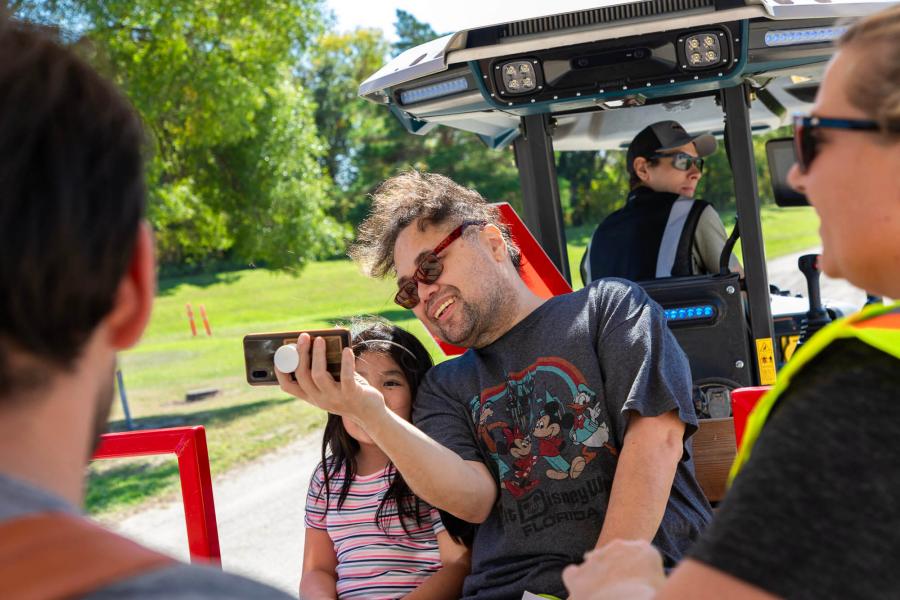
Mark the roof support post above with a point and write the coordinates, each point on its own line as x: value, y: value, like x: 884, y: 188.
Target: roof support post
x: 736, y: 103
x: 540, y: 190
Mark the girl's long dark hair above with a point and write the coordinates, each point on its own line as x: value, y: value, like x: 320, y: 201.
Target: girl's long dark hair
x: 376, y: 335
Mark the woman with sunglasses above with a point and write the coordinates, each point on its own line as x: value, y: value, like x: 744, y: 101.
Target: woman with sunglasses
x: 661, y: 231
x: 814, y: 510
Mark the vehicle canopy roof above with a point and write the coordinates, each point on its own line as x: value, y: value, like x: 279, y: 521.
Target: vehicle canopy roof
x: 603, y: 72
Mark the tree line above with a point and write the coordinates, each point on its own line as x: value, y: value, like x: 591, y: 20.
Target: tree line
x: 259, y: 150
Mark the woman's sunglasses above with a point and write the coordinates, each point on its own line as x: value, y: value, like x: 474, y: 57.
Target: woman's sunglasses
x: 682, y: 160
x: 806, y: 142
x: 429, y: 268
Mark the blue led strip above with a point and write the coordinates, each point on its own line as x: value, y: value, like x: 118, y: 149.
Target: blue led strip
x: 815, y: 35
x: 691, y: 313
x: 435, y: 90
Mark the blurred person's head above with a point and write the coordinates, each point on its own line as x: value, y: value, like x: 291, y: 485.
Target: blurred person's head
x: 455, y: 262
x: 665, y: 158
x: 851, y: 175
x: 76, y: 260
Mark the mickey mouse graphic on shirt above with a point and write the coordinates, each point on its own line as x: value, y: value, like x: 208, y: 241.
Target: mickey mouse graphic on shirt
x: 542, y: 422
x: 548, y: 429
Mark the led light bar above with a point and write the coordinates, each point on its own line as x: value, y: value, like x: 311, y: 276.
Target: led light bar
x: 691, y: 313
x: 434, y: 90
x: 812, y: 35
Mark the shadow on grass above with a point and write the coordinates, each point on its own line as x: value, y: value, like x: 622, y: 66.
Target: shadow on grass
x: 129, y: 484
x: 170, y: 285
x: 209, y: 418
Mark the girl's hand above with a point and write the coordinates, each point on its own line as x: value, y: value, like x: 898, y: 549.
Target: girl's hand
x: 352, y: 397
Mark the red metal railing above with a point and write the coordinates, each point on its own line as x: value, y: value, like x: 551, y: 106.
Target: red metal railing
x: 742, y: 402
x: 189, y: 445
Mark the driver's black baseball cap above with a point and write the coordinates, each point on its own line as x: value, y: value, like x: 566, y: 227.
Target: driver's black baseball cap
x: 666, y: 135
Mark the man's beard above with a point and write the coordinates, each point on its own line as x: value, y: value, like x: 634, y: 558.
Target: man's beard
x: 477, y: 322
x: 102, y: 405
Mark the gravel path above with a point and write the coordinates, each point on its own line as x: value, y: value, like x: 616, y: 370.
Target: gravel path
x: 260, y: 506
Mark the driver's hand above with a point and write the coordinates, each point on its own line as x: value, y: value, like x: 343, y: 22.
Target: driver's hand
x: 351, y: 397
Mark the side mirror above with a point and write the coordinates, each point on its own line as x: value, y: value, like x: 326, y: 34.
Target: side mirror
x: 781, y: 157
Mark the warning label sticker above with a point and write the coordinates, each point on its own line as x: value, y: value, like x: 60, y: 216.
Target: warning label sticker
x: 765, y: 358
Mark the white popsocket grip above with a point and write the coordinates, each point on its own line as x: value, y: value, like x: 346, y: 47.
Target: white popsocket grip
x: 287, y: 359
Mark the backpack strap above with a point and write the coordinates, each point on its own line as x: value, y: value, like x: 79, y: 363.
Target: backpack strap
x: 47, y: 556
x: 683, y: 264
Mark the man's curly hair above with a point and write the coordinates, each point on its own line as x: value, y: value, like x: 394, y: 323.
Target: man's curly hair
x: 423, y: 198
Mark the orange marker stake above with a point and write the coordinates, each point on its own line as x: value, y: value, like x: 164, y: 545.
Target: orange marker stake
x: 190, y: 314
x: 205, y: 320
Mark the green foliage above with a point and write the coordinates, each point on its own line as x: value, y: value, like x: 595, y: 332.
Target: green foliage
x: 717, y: 184
x: 597, y: 184
x: 367, y: 144
x: 337, y: 64
x: 263, y: 153
x: 411, y: 32
x: 234, y: 168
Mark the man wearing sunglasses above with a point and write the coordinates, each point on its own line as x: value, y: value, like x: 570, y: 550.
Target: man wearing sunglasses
x: 661, y: 231
x: 564, y: 426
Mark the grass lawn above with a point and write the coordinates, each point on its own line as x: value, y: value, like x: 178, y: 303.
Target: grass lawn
x: 244, y: 422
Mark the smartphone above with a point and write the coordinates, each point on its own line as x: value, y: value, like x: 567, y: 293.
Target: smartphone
x: 259, y: 352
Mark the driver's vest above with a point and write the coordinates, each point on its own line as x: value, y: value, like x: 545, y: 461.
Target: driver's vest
x: 877, y: 326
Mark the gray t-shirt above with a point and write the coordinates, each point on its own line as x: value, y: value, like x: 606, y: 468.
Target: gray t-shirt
x: 177, y: 582
x: 545, y: 408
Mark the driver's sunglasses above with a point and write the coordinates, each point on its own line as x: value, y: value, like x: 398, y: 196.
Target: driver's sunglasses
x: 806, y: 142
x: 682, y: 160
x: 429, y: 268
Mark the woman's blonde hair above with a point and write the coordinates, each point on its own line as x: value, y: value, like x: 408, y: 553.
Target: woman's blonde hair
x: 877, y: 81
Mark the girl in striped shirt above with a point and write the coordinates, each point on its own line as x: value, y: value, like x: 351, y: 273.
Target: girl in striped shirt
x: 367, y: 535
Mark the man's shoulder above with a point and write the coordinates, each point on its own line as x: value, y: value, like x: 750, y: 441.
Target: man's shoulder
x: 709, y: 221
x: 452, y: 367
x: 614, y: 289
x: 182, y: 581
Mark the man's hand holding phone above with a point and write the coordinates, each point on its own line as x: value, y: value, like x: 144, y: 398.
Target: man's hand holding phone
x: 350, y: 397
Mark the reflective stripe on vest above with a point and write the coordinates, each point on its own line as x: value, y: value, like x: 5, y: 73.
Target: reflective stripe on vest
x: 877, y: 326
x: 668, y: 246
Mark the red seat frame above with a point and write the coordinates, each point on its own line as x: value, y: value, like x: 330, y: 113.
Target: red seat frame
x: 189, y: 445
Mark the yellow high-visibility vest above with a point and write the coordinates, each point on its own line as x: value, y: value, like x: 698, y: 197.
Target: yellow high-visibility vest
x: 877, y: 326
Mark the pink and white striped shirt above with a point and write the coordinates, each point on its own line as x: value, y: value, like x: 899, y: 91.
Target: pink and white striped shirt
x: 373, y: 564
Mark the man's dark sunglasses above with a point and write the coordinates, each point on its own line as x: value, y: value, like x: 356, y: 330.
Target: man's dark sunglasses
x: 806, y: 143
x: 429, y: 268
x: 682, y: 160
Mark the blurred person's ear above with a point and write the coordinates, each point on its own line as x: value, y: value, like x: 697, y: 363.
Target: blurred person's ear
x: 134, y: 298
